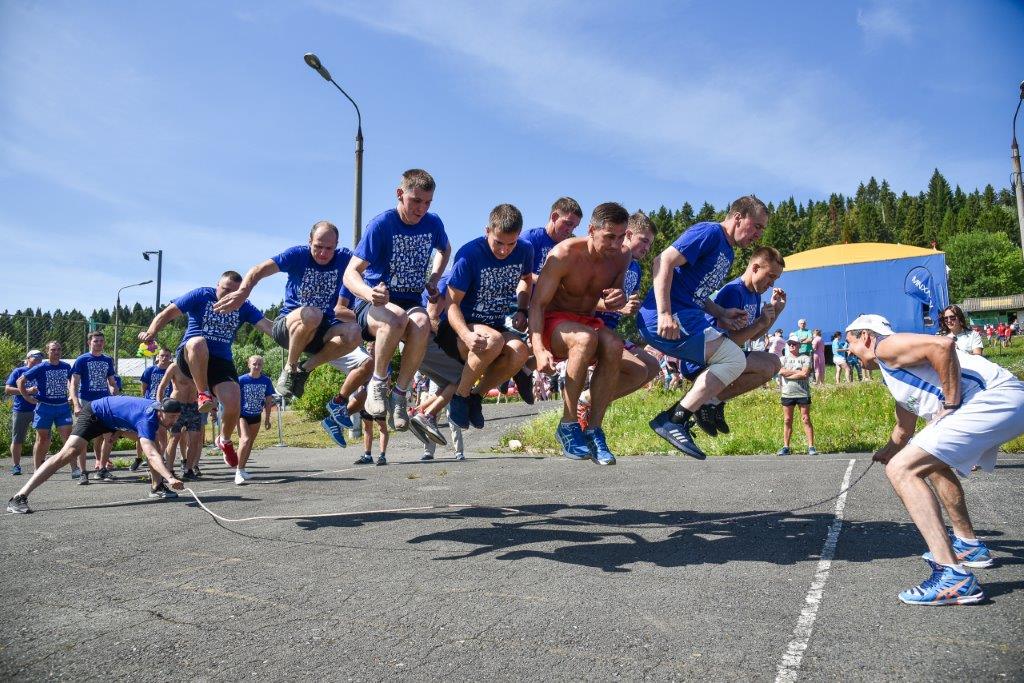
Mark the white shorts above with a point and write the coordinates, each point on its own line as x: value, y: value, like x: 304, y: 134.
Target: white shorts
x: 972, y: 434
x: 439, y: 367
x: 351, y: 360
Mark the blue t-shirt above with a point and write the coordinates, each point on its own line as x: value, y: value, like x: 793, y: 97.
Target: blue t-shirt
x: 839, y: 347
x: 93, y: 372
x: 151, y: 377
x: 20, y: 405
x: 631, y: 285
x: 542, y: 243
x: 52, y: 381
x: 442, y: 290
x: 736, y: 295
x: 399, y: 255
x: 708, y: 259
x: 254, y: 393
x: 488, y: 282
x: 218, y: 329
x: 309, y: 283
x: 128, y: 413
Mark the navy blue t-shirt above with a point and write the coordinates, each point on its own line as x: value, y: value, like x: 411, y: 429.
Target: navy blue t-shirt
x: 52, y: 381
x: 309, y: 283
x: 218, y: 329
x: 93, y: 372
x: 151, y: 377
x: 254, y: 393
x: 736, y: 295
x: 20, y: 405
x: 631, y: 285
x: 399, y: 255
x: 542, y: 243
x: 129, y: 413
x: 488, y: 282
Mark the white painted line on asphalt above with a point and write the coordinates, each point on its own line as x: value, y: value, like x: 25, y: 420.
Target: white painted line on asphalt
x: 790, y: 666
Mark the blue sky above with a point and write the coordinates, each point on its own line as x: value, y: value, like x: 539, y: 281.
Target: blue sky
x: 196, y: 128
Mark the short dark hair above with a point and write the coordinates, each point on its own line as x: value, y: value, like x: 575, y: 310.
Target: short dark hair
x: 418, y: 179
x: 505, y: 219
x: 641, y: 222
x: 232, y: 275
x: 324, y: 225
x: 567, y: 205
x: 746, y: 205
x: 609, y: 212
x: 95, y: 333
x: 770, y: 254
x: 169, y: 405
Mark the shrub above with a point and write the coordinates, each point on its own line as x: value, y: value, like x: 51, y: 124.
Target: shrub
x: 322, y: 385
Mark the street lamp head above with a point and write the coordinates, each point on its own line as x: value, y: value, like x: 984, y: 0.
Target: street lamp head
x: 1022, y: 90
x: 314, y: 63
x: 145, y: 255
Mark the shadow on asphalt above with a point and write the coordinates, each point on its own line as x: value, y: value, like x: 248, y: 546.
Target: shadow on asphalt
x: 144, y: 500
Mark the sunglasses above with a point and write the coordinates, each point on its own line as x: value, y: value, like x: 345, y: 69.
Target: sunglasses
x: 950, y: 317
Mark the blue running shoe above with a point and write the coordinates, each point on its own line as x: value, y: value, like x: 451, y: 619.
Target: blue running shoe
x: 366, y: 459
x: 339, y: 413
x: 476, y: 411
x: 679, y: 435
x: 973, y: 556
x: 574, y: 444
x: 458, y: 411
x: 946, y: 586
x: 601, y: 454
x: 335, y: 431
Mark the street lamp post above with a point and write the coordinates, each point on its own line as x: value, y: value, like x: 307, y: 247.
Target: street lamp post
x: 159, y: 273
x: 357, y: 227
x: 1016, y: 177
x: 117, y: 317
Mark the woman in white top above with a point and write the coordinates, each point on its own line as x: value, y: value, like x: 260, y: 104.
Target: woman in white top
x: 953, y: 324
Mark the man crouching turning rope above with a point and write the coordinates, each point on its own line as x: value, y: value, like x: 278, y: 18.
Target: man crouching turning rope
x: 972, y: 406
x: 105, y: 416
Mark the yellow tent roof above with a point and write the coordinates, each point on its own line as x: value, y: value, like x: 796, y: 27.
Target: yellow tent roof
x: 861, y: 252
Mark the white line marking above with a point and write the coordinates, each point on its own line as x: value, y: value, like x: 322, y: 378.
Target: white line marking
x: 790, y: 666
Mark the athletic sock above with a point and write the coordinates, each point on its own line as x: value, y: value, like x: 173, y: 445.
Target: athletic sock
x: 380, y: 379
x: 367, y: 454
x: 967, y: 541
x: 398, y: 390
x: 681, y: 414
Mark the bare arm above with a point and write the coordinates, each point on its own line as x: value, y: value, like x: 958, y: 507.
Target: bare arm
x: 906, y: 422
x: 265, y: 326
x: 353, y: 279
x: 438, y: 265
x: 165, y: 316
x: 76, y: 406
x: 662, y: 285
x: 474, y: 342
x: 25, y: 392
x: 523, y: 289
x: 555, y: 268
x: 234, y: 300
x: 164, y: 381
x: 156, y: 463
x: 343, y: 310
x: 905, y: 350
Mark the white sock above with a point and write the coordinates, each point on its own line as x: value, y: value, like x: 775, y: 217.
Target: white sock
x: 968, y: 541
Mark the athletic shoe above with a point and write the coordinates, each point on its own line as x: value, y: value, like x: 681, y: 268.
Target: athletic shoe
x: 783, y: 451
x: 335, y: 431
x: 973, y: 556
x: 162, y: 492
x: 339, y: 413
x: 188, y: 475
x: 574, y: 443
x: 811, y: 450
x: 458, y: 411
x: 460, y: 456
x: 241, y: 477
x: 18, y: 505
x: 476, y: 411
x: 679, y: 435
x: 602, y: 455
x: 15, y: 470
x: 84, y: 479
x: 195, y: 471
x: 376, y: 398
x: 720, y: 424
x: 417, y: 430
x: 946, y: 586
x: 364, y: 460
x: 105, y: 475
x: 228, y: 449
x: 400, y: 411
x: 524, y: 383
x: 76, y: 472
x: 134, y: 467
x: 428, y: 424
x: 426, y: 457
x: 705, y: 419
x: 583, y: 414
x: 381, y: 460
x: 206, y: 402
x: 299, y: 382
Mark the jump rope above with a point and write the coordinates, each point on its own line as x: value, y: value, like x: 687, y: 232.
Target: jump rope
x: 521, y: 512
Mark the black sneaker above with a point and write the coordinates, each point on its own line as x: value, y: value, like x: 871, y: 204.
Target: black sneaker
x: 195, y: 471
x: 705, y: 419
x: 18, y: 505
x: 476, y: 411
x: 162, y: 492
x: 381, y: 460
x: 720, y: 423
x: 134, y: 467
x: 84, y: 479
x: 679, y: 435
x: 106, y: 475
x: 364, y: 460
x: 188, y: 475
x: 524, y: 383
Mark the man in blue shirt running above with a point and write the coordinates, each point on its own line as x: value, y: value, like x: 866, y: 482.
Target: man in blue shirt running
x: 137, y: 417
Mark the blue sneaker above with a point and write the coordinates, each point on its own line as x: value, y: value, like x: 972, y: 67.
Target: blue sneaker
x: 783, y: 451
x: 574, y: 444
x: 458, y: 411
x: 601, y: 454
x: 476, y: 411
x: 946, y: 586
x: 679, y: 435
x: 335, y: 431
x: 339, y: 413
x: 974, y: 556
x: 16, y: 470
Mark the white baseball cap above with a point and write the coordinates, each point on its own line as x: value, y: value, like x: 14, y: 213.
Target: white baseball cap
x: 794, y: 339
x: 34, y: 353
x: 873, y: 322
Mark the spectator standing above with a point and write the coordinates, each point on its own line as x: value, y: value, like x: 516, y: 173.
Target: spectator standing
x: 51, y: 379
x: 839, y: 347
x: 796, y: 391
x: 804, y: 336
x: 92, y: 378
x: 21, y: 410
x: 818, y: 348
x: 953, y: 323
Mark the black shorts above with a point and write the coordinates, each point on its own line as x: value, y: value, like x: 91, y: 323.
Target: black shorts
x: 251, y: 419
x: 448, y: 339
x: 280, y: 333
x: 363, y: 310
x: 87, y: 426
x: 798, y: 401
x: 218, y: 370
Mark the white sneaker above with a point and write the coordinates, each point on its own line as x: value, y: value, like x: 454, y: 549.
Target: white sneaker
x: 241, y: 476
x: 399, y: 412
x: 76, y: 472
x: 376, y: 398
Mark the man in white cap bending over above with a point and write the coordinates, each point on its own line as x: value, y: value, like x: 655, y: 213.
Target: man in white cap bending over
x: 972, y: 406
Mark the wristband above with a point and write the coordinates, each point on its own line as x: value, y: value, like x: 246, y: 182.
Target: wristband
x: 951, y: 406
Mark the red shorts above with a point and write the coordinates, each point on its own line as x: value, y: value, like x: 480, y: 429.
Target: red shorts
x: 556, y: 318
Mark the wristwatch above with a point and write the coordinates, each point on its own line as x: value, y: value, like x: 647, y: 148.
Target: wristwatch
x: 951, y: 406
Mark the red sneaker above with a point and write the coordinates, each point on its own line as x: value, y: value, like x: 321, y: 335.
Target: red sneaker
x: 228, y: 449
x: 206, y: 402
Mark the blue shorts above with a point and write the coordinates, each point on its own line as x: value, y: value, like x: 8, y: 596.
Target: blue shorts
x: 689, y: 348
x: 49, y: 416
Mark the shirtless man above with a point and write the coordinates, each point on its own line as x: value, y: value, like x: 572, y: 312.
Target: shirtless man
x: 190, y: 421
x: 579, y: 272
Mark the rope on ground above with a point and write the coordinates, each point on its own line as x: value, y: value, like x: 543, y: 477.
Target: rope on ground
x: 525, y: 513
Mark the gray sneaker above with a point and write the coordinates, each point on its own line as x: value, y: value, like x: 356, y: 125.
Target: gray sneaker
x: 400, y: 411
x: 76, y: 472
x: 18, y: 505
x: 291, y: 384
x: 376, y: 398
x: 428, y: 426
x: 161, y: 491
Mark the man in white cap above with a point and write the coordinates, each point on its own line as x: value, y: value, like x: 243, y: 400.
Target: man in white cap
x: 972, y: 406
x: 22, y: 411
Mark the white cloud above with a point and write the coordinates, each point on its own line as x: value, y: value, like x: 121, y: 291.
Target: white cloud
x: 882, y: 22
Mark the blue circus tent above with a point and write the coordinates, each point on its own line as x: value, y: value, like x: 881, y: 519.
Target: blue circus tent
x: 831, y: 286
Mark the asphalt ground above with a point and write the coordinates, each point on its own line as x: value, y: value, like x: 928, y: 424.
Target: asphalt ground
x: 657, y: 568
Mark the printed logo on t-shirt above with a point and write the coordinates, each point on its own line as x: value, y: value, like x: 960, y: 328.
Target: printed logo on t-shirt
x: 410, y: 255
x: 318, y: 288
x: 632, y: 282
x: 543, y: 257
x: 97, y: 380
x: 252, y: 398
x: 751, y: 310
x: 56, y: 383
x: 219, y: 327
x: 496, y: 285
x: 713, y: 279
